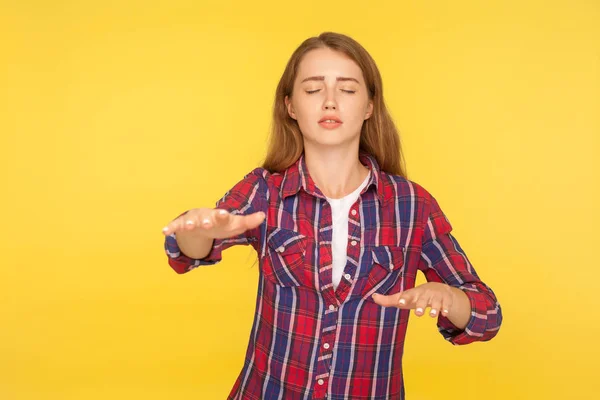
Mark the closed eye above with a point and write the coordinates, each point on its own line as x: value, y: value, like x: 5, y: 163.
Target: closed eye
x: 345, y: 91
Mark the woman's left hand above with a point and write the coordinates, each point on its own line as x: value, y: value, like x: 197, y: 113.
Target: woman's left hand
x: 438, y: 296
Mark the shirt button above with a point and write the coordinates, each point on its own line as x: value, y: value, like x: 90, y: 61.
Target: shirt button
x: 326, y: 345
x: 280, y: 249
x: 347, y: 276
x: 332, y: 307
x: 320, y: 381
x: 353, y: 243
x: 353, y: 212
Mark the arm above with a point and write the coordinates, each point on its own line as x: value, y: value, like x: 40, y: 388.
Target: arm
x: 193, y: 244
x: 476, y: 314
x: 189, y: 245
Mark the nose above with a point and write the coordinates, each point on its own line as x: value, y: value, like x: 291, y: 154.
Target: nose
x: 330, y: 101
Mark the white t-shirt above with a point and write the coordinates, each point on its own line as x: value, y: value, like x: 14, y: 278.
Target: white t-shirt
x: 339, y: 215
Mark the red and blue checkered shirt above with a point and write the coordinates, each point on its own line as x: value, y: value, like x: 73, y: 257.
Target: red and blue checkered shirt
x: 309, y: 341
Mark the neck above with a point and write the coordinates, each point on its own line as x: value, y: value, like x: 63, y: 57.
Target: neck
x: 335, y: 172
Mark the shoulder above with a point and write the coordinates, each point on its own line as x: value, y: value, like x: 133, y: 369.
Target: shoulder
x: 263, y: 178
x: 410, y: 198
x: 399, y: 188
x: 260, y: 181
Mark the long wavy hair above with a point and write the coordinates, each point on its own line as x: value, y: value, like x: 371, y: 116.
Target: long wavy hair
x: 379, y: 136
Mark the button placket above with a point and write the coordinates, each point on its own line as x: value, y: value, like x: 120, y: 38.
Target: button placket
x: 328, y: 334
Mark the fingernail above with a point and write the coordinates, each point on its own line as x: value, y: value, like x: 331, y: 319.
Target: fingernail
x: 189, y: 222
x: 433, y: 312
x: 206, y: 221
x: 222, y: 212
x: 165, y: 229
x: 419, y: 310
x: 445, y: 311
x: 402, y: 301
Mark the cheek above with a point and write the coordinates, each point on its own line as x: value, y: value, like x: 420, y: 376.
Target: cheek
x: 355, y: 116
x: 305, y: 115
x: 307, y: 128
x: 358, y: 113
x: 305, y: 122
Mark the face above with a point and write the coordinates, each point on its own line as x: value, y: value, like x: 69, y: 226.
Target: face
x: 329, y: 84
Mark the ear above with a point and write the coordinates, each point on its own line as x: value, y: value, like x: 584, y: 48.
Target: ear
x: 369, y: 110
x: 290, y: 109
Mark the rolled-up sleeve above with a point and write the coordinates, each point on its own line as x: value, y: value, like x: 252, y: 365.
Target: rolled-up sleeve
x: 246, y: 197
x: 443, y: 260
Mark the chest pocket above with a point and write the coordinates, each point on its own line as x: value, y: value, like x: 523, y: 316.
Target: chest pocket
x: 387, y: 265
x: 285, y: 260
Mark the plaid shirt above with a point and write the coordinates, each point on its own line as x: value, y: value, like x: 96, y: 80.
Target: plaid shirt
x: 309, y: 341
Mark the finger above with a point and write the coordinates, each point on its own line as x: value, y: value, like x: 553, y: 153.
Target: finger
x: 436, y: 304
x: 167, y: 230
x: 421, y: 303
x: 406, y: 300
x: 220, y: 218
x: 253, y: 220
x: 446, y: 305
x: 195, y: 220
x: 386, y: 300
x: 199, y: 219
x: 174, y: 226
x: 192, y: 222
x: 242, y: 223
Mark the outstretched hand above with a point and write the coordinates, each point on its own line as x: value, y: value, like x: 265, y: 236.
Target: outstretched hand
x: 214, y: 223
x: 437, y: 296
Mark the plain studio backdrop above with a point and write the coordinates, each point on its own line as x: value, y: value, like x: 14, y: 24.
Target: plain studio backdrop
x: 116, y: 116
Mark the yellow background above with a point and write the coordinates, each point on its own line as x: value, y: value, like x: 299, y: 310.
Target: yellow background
x: 114, y: 118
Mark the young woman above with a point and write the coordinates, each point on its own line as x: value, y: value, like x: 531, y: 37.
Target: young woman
x: 340, y: 234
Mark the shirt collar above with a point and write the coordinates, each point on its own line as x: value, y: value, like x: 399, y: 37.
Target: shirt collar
x: 297, y: 177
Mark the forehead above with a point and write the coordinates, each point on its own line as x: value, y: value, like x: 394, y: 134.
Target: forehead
x: 328, y: 63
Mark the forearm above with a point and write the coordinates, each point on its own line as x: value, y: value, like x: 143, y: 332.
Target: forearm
x: 460, y: 312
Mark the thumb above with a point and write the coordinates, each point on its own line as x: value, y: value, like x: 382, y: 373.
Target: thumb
x: 386, y: 301
x: 254, y: 220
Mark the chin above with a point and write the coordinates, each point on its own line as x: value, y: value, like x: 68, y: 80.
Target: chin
x: 330, y: 142
x: 326, y: 137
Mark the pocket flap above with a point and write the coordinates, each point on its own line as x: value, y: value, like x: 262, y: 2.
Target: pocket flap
x: 384, y: 271
x: 390, y: 257
x: 286, y: 241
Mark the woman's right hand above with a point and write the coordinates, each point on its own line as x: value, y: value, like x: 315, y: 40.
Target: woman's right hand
x: 213, y: 223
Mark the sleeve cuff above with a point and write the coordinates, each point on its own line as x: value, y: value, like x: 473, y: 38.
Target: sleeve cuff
x: 182, y: 263
x: 476, y: 327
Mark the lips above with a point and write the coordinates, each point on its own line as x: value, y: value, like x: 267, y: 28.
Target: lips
x: 330, y: 118
x: 326, y: 123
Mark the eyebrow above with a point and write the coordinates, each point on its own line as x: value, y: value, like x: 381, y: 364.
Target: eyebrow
x: 322, y: 78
